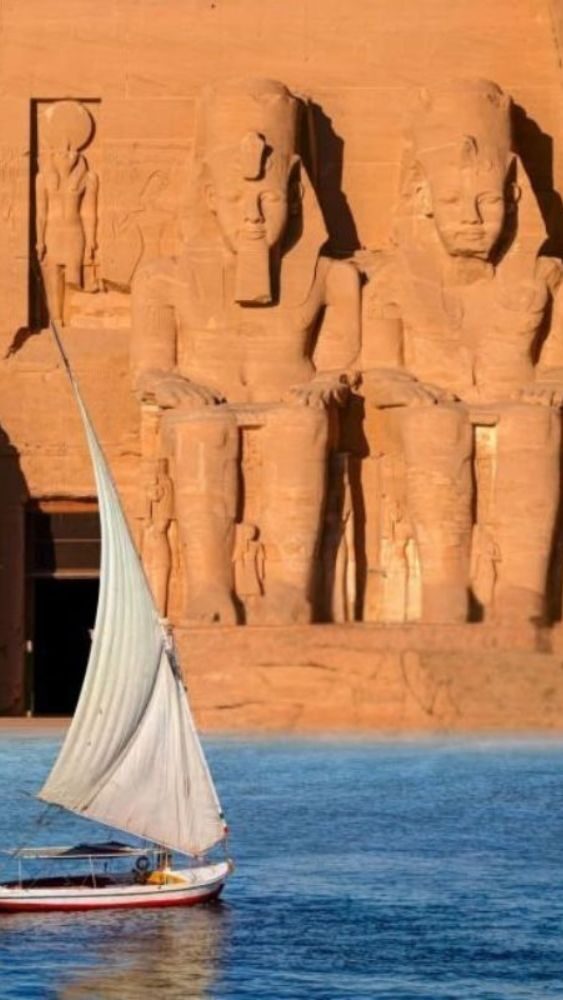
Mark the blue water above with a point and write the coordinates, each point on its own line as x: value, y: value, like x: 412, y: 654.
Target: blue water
x: 365, y: 870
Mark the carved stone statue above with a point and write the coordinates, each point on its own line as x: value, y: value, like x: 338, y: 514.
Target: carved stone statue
x: 463, y: 421
x: 155, y: 547
x: 226, y: 343
x: 249, y: 562
x: 66, y: 202
x: 338, y: 569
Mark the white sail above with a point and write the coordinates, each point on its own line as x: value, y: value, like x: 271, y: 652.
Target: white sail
x: 132, y: 758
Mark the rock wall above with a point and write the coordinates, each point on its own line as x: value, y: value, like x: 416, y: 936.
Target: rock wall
x: 418, y: 679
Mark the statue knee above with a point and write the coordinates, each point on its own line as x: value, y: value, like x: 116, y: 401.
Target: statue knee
x: 433, y: 436
x: 525, y: 427
x: 190, y: 436
x: 304, y: 425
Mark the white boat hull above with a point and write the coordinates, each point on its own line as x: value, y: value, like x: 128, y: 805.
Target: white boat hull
x: 197, y: 885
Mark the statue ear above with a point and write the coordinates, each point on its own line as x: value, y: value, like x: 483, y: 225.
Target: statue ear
x: 414, y: 187
x: 513, y: 186
x: 514, y: 193
x: 421, y: 196
x: 210, y: 196
x: 424, y: 199
x: 294, y: 186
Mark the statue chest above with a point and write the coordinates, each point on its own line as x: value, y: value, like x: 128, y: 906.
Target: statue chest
x: 203, y: 320
x: 456, y: 336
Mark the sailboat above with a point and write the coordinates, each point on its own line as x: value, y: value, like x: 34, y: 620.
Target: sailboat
x: 132, y: 758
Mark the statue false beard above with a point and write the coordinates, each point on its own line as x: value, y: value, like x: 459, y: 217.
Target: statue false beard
x: 253, y: 284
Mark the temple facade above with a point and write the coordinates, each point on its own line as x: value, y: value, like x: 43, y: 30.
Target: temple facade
x: 308, y: 269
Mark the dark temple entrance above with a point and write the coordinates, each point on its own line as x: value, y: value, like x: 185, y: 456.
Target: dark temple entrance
x: 63, y: 558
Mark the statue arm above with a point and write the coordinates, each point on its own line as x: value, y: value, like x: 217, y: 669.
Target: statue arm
x: 336, y: 352
x: 550, y: 362
x: 338, y: 349
x: 547, y: 387
x: 41, y: 207
x: 90, y: 214
x: 153, y: 347
x: 385, y: 380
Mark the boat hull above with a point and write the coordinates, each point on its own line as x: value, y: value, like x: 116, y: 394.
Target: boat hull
x: 197, y: 885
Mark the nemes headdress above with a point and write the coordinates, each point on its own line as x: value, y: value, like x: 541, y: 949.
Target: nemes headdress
x: 233, y: 111
x: 465, y: 121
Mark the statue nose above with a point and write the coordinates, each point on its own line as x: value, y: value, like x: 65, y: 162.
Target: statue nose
x: 470, y: 210
x: 252, y: 209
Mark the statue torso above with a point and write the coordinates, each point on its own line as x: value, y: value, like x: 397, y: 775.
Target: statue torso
x: 250, y: 354
x: 474, y: 338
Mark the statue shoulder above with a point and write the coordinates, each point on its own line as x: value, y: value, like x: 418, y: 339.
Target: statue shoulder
x: 550, y: 269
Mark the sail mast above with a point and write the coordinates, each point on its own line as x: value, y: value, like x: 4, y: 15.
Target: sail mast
x: 132, y: 757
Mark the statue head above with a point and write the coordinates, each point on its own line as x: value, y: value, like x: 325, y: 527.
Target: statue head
x: 67, y: 127
x: 249, y: 173
x: 461, y: 165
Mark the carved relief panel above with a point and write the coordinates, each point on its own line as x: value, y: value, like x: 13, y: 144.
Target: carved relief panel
x: 66, y: 207
x: 144, y: 199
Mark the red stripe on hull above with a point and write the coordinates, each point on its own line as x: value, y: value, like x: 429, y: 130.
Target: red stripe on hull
x: 6, y: 907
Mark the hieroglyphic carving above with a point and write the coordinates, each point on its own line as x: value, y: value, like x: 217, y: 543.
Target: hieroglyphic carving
x: 453, y: 321
x: 223, y: 342
x: 66, y: 203
x: 14, y: 214
x: 144, y: 203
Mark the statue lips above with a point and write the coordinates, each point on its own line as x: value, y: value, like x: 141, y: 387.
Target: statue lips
x: 471, y: 240
x: 251, y: 232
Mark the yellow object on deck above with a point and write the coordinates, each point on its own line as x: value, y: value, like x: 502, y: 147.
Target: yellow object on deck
x: 164, y: 877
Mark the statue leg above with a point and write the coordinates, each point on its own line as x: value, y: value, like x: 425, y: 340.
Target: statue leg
x: 157, y: 559
x: 437, y: 442
x: 54, y: 278
x: 525, y: 503
x: 294, y: 448
x: 204, y: 450
x: 392, y: 594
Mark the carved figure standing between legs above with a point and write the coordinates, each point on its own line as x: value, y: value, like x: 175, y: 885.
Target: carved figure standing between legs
x: 156, y: 549
x: 455, y: 312
x: 225, y: 341
x: 66, y: 202
x: 248, y: 559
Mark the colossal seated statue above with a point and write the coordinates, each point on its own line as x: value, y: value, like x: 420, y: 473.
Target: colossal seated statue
x: 243, y: 343
x: 462, y: 479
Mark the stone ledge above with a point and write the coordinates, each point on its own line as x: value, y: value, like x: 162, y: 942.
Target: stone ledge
x: 374, y: 679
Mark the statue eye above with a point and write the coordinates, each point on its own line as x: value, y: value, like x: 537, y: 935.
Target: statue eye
x: 490, y: 199
x: 449, y: 199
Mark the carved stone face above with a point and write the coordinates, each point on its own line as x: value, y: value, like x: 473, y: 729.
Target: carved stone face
x: 464, y: 185
x: 469, y: 209
x: 248, y: 209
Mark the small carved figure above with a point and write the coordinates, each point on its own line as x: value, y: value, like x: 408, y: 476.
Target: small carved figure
x: 455, y: 314
x: 156, y: 549
x: 226, y: 342
x: 338, y: 563
x: 66, y: 202
x: 249, y: 562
